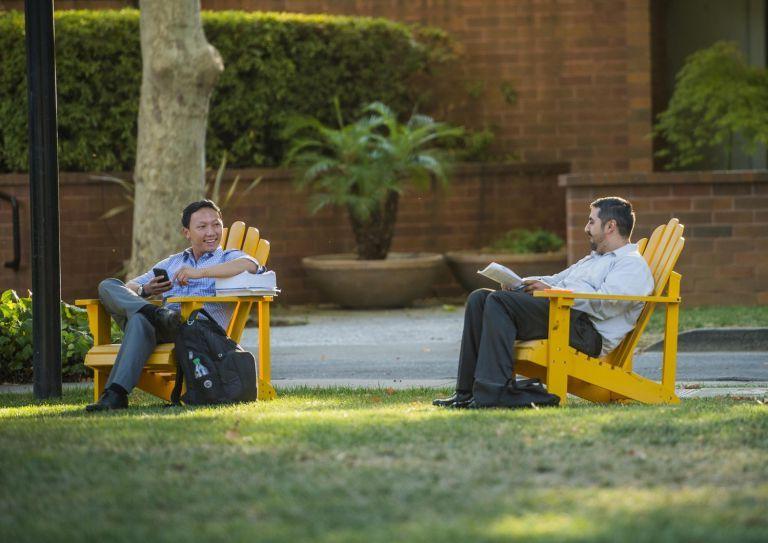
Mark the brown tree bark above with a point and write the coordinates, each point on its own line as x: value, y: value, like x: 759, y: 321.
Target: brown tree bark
x: 180, y: 70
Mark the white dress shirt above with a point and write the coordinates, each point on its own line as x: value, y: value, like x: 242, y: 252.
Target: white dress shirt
x: 622, y: 271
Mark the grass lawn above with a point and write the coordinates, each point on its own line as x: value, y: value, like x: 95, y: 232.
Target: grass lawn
x: 339, y: 465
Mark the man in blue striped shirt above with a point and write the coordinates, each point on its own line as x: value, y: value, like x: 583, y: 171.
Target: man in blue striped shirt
x: 191, y: 272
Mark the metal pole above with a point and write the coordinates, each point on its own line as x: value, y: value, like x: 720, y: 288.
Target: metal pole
x: 44, y: 198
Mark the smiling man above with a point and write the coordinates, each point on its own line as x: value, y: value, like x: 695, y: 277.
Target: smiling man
x: 494, y: 320
x: 189, y: 273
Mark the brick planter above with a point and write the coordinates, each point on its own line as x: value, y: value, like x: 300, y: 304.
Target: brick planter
x: 464, y: 265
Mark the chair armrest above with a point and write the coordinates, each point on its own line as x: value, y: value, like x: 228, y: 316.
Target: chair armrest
x: 98, y: 320
x: 217, y: 299
x: 85, y: 302
x: 190, y: 303
x: 554, y: 293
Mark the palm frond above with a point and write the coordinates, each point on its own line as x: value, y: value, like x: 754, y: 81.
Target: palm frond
x: 128, y: 185
x: 213, y: 192
x: 115, y: 211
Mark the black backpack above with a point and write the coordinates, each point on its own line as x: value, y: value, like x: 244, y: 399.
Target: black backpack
x: 217, y: 370
x: 516, y: 393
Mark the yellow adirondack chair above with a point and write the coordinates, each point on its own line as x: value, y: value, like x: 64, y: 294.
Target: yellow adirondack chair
x: 610, y: 378
x: 159, y: 373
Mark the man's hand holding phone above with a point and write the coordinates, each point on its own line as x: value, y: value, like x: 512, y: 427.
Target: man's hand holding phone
x: 159, y: 284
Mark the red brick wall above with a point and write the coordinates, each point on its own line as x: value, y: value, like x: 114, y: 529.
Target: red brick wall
x: 581, y: 70
x: 725, y: 259
x: 481, y: 203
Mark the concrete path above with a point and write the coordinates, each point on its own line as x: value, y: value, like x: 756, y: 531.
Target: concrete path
x: 419, y: 347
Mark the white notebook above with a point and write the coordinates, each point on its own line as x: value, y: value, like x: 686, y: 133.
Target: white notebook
x: 248, y: 284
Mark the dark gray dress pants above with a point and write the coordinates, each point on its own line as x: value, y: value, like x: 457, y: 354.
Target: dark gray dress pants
x: 140, y: 336
x: 493, y: 321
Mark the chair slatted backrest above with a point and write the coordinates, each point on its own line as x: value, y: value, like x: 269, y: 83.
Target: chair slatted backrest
x: 661, y: 252
x: 248, y: 240
x: 236, y: 235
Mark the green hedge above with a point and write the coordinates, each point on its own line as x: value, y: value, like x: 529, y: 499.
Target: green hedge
x: 275, y: 64
x: 16, y: 345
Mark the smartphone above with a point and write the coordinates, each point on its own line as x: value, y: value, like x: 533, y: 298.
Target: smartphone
x: 160, y: 272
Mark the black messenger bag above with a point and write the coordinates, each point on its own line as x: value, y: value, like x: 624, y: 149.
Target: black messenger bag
x: 216, y: 369
x: 516, y: 394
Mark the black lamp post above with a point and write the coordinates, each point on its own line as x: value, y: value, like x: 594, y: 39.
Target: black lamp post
x: 44, y: 198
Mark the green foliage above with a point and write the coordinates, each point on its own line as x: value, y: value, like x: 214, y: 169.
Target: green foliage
x: 476, y: 146
x: 358, y: 165
x: 509, y: 93
x: 719, y: 101
x: 274, y: 64
x: 16, y: 345
x: 527, y: 241
x: 213, y: 191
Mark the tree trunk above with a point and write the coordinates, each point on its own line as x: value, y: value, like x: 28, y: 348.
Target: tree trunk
x: 180, y: 70
x: 373, y: 236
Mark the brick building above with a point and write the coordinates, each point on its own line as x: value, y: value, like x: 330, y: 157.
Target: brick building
x: 567, y: 85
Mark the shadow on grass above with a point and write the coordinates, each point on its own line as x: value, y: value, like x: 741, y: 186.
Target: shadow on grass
x: 358, y: 465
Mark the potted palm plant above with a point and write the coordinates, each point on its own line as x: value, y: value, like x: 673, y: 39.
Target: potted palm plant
x: 526, y: 252
x: 364, y: 167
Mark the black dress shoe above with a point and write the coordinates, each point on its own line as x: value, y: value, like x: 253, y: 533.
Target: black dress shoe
x: 167, y: 322
x: 463, y: 404
x: 457, y: 398
x: 109, y: 400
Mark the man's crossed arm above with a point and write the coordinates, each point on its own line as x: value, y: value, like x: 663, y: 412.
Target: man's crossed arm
x: 227, y: 269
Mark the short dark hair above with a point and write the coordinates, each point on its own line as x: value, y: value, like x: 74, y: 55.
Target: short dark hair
x: 186, y: 215
x: 617, y: 209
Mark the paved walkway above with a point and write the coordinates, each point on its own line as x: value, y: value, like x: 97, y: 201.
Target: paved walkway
x: 419, y: 347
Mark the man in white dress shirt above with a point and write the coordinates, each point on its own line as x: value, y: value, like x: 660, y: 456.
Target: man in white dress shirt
x: 493, y: 320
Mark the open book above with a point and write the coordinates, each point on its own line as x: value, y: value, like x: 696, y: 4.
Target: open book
x: 248, y: 284
x: 502, y: 275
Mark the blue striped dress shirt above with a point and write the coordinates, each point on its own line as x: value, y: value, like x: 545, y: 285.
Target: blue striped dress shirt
x: 197, y: 287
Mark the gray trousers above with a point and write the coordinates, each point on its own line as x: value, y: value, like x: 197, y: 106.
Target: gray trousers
x: 140, y: 336
x: 493, y: 320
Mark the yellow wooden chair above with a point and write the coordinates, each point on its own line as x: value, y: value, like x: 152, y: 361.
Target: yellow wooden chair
x: 610, y: 378
x: 159, y: 373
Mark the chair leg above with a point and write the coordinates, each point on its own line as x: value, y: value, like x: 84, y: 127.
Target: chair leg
x: 99, y: 382
x: 557, y: 381
x: 557, y: 347
x: 265, y: 389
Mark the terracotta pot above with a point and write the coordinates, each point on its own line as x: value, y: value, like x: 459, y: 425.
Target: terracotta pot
x: 394, y: 282
x: 464, y: 265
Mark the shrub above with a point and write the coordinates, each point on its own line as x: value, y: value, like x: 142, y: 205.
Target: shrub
x: 527, y: 241
x: 16, y: 339
x: 364, y: 166
x: 719, y: 102
x: 275, y: 64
